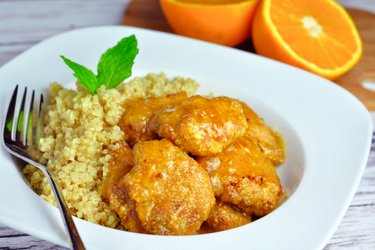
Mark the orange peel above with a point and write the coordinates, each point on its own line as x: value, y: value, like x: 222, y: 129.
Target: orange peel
x: 226, y: 22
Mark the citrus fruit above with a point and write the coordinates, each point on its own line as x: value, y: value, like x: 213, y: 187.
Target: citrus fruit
x: 226, y: 22
x: 315, y: 35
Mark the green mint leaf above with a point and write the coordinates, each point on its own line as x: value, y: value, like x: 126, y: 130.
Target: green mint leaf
x: 85, y: 76
x: 115, y: 65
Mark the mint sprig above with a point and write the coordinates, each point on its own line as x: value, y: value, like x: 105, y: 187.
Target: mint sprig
x: 114, y: 66
x: 85, y: 76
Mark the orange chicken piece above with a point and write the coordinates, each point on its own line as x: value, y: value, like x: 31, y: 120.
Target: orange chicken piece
x: 269, y: 142
x: 224, y: 216
x: 201, y: 126
x: 242, y: 176
x: 170, y: 192
x: 138, y: 112
x: 112, y: 190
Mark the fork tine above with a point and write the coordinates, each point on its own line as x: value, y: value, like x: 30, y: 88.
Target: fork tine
x: 20, y: 120
x: 9, y: 120
x: 30, y: 122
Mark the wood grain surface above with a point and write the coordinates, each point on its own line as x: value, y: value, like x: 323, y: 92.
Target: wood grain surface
x: 23, y: 23
x: 148, y: 14
x: 364, y: 71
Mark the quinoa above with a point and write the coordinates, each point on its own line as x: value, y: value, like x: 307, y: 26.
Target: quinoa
x: 79, y: 130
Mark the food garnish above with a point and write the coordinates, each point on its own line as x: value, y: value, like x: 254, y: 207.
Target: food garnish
x: 318, y: 36
x: 115, y: 65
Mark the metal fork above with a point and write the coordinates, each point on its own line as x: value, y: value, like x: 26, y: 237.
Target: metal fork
x: 20, y: 137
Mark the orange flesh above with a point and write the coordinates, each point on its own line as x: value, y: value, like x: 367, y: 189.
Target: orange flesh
x: 310, y: 33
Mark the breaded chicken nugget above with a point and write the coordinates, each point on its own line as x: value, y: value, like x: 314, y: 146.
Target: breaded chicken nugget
x: 242, y: 176
x: 269, y: 142
x: 224, y: 216
x: 138, y: 112
x: 112, y: 190
x: 201, y: 126
x: 170, y: 192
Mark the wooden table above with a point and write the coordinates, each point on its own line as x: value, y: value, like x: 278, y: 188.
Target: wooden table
x: 24, y: 23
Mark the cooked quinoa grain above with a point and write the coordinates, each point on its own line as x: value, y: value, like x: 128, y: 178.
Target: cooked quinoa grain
x: 79, y: 129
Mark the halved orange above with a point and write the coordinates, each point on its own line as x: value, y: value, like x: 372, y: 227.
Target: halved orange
x: 226, y: 22
x: 315, y: 35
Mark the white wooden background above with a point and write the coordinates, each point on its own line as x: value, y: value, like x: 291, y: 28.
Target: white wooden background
x: 24, y: 23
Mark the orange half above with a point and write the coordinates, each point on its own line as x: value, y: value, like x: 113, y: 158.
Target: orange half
x: 315, y: 35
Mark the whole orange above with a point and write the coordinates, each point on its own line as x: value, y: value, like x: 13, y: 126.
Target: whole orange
x: 226, y: 22
x: 315, y: 35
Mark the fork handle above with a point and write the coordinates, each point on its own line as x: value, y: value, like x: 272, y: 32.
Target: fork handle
x: 76, y: 241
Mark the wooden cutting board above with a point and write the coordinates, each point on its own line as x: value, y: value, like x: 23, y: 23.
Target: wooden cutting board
x: 148, y: 14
